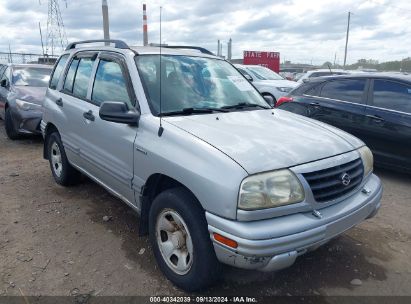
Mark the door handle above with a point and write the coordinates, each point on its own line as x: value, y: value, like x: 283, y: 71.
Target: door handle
x: 315, y: 104
x: 376, y: 118
x: 59, y: 102
x: 89, y: 115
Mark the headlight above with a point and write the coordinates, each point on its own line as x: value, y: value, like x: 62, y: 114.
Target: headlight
x: 283, y: 89
x: 367, y: 159
x: 27, y: 106
x: 271, y: 189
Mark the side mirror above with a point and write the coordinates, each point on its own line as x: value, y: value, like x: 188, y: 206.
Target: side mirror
x: 270, y: 100
x: 4, y: 83
x: 119, y: 112
x: 249, y: 78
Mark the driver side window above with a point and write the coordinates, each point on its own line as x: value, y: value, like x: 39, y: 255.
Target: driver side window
x: 110, y: 83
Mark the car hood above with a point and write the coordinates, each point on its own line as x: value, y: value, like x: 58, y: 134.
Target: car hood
x: 264, y: 140
x: 30, y: 94
x: 277, y: 83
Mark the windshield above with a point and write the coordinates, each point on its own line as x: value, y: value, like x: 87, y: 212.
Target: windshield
x: 195, y: 83
x: 263, y: 73
x: 33, y: 77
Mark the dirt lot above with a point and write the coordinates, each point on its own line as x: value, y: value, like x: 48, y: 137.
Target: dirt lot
x: 54, y: 241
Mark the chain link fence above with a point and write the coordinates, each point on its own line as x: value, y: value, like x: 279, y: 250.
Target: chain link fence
x: 19, y: 58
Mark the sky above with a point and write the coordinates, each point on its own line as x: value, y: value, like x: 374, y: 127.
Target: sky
x: 302, y: 31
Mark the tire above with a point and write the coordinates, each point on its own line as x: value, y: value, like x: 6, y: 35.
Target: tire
x: 63, y: 173
x: 199, y: 267
x: 9, y: 126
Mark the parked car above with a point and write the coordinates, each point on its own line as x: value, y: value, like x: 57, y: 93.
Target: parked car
x: 320, y: 73
x: 182, y: 139
x: 267, y: 82
x: 374, y: 107
x: 22, y: 91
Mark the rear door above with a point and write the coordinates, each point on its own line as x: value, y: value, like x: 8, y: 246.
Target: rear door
x: 74, y: 99
x: 107, y: 147
x: 341, y: 103
x: 389, y: 122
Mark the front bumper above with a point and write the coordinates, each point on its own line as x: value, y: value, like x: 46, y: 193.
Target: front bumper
x: 273, y: 244
x: 26, y: 122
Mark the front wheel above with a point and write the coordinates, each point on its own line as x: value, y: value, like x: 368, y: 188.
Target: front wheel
x: 63, y: 173
x: 181, y: 242
x: 9, y: 126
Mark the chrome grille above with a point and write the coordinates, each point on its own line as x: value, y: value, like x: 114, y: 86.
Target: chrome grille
x: 327, y: 184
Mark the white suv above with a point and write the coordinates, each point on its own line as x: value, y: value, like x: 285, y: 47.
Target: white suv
x: 268, y: 83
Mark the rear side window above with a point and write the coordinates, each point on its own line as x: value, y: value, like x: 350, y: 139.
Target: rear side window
x: 82, y: 77
x: 307, y: 88
x: 110, y: 83
x: 57, y: 71
x: 348, y: 90
x: 392, y: 95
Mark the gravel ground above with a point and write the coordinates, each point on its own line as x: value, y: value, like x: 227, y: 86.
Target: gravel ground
x: 54, y: 241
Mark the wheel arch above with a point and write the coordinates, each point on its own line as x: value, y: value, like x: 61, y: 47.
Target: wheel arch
x: 50, y: 128
x: 156, y: 184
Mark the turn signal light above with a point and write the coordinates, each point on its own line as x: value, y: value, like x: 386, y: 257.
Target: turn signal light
x: 226, y: 241
x: 283, y: 100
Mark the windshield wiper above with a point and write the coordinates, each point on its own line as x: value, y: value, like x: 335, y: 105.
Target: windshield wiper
x: 243, y: 105
x: 189, y: 111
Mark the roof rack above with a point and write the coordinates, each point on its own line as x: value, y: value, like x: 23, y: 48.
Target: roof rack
x: 118, y: 44
x: 190, y: 47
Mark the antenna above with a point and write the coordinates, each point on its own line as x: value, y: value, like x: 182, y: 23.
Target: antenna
x: 161, y: 129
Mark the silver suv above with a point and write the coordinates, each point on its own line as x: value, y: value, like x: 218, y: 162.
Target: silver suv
x: 216, y: 175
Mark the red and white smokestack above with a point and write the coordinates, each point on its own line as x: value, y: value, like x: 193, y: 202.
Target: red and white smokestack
x: 145, y: 32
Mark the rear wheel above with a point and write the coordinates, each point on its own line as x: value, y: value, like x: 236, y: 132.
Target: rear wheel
x: 181, y: 242
x: 9, y: 126
x: 63, y: 173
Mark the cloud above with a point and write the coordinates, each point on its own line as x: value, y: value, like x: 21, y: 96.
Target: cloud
x: 300, y: 30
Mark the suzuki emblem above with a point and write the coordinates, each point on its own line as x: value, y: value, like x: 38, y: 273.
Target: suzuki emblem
x: 345, y: 179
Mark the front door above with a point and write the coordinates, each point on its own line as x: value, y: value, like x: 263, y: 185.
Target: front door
x: 107, y: 148
x: 389, y: 122
x: 342, y: 104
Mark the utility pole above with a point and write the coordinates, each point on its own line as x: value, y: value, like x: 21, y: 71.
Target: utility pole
x: 229, y: 49
x: 41, y: 39
x: 346, y: 39
x: 106, y: 22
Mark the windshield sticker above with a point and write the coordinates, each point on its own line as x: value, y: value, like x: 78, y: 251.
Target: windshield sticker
x: 241, y: 83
